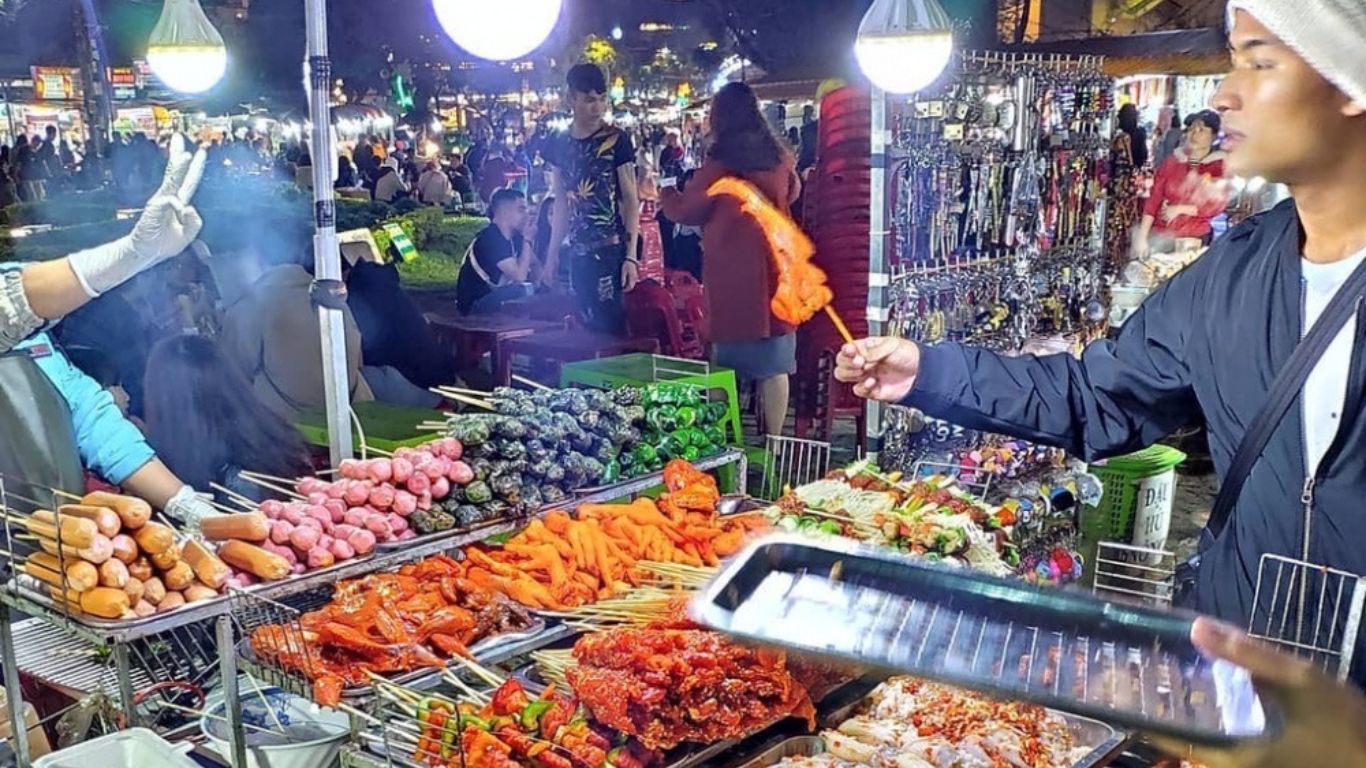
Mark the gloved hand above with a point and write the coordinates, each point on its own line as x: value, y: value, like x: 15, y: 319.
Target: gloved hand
x: 190, y: 507
x: 168, y: 224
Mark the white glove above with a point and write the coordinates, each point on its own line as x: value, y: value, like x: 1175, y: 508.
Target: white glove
x: 168, y: 224
x: 190, y: 508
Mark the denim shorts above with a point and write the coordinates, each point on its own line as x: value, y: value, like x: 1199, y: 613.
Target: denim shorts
x: 758, y: 359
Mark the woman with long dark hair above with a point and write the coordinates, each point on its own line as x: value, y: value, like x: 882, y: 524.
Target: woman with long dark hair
x: 207, y: 423
x: 737, y: 268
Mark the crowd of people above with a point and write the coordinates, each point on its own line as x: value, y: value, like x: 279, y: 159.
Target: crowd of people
x: 32, y: 167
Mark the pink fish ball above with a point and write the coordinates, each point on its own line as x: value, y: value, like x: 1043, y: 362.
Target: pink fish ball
x: 351, y: 469
x: 337, y: 509
x: 424, y: 502
x: 397, y: 524
x: 357, y: 492
x: 298, y: 569
x: 355, y: 517
x: 404, y: 452
x: 461, y: 473
x: 335, y: 490
x: 434, y: 468
x: 407, y: 535
x: 441, y: 488
x: 382, y: 496
x: 310, y: 522
x: 344, y: 531
x: 309, y: 485
x: 280, y: 531
x: 272, y: 508
x: 292, y: 514
x: 419, y: 483
x: 325, y: 541
x: 405, y: 503
x: 363, y: 542
x: 342, y: 550
x: 380, y: 470
x: 317, y: 498
x: 304, y: 538
x: 380, y: 527
x: 402, y: 470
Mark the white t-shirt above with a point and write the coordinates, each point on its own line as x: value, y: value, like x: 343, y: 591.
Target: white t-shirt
x: 1325, y: 391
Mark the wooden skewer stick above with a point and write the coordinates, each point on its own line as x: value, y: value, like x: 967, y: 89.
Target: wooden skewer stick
x: 264, y: 484
x: 220, y: 718
x: 464, y: 399
x: 350, y: 710
x: 372, y: 449
x: 839, y: 324
x: 272, y: 478
x: 530, y: 382
x: 464, y: 687
x: 242, y: 501
x: 262, y: 696
x: 462, y: 391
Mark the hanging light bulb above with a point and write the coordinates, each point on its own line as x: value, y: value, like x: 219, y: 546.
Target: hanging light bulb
x: 509, y: 29
x: 904, y: 45
x: 185, y: 51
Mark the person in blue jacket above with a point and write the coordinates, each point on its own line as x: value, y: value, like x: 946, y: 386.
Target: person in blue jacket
x: 55, y: 419
x: 1205, y: 348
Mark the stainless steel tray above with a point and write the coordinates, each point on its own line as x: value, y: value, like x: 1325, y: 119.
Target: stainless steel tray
x: 1130, y: 665
x: 1103, y: 739
x: 796, y: 746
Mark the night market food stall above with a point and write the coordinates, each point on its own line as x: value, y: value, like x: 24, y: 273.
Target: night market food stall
x: 489, y: 598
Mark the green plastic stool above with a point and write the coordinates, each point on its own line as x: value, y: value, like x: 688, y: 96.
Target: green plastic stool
x: 638, y: 370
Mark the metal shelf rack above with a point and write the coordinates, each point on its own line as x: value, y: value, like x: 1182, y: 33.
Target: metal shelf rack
x: 52, y: 634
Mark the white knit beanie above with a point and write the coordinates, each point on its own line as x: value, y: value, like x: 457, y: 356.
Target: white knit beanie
x: 1328, y: 34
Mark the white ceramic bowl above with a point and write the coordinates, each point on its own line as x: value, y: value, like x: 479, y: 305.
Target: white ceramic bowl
x: 315, y: 734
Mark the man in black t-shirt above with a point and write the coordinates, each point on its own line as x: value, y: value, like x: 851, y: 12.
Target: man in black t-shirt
x: 498, y: 261
x: 597, y: 206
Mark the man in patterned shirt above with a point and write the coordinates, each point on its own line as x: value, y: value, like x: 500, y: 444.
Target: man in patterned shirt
x: 597, y: 207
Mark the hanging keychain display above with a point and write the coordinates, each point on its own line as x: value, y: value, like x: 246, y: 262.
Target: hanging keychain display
x: 997, y: 183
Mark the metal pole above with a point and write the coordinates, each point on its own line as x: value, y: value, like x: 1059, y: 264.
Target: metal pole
x: 326, y: 255
x: 14, y: 693
x: 878, y: 273
x: 124, y: 670
x: 232, y: 702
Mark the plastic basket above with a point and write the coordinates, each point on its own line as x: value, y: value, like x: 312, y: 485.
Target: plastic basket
x: 1113, y: 518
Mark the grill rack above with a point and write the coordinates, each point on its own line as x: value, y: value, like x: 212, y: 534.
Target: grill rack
x: 1309, y: 610
x: 251, y: 612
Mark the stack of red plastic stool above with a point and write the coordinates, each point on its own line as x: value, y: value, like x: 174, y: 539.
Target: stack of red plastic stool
x: 836, y: 216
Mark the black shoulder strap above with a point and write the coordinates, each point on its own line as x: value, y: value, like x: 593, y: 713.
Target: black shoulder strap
x: 1284, y: 392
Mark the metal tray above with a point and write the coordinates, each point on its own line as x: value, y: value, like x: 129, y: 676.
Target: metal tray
x: 796, y: 746
x: 1105, y: 742
x: 1069, y: 651
x: 482, y: 650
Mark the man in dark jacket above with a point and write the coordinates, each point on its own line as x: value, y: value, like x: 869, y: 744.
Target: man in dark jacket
x: 1205, y: 348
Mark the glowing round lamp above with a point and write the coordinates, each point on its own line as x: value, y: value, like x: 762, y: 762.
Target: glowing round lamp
x: 185, y: 50
x: 502, y: 31
x: 904, y: 45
